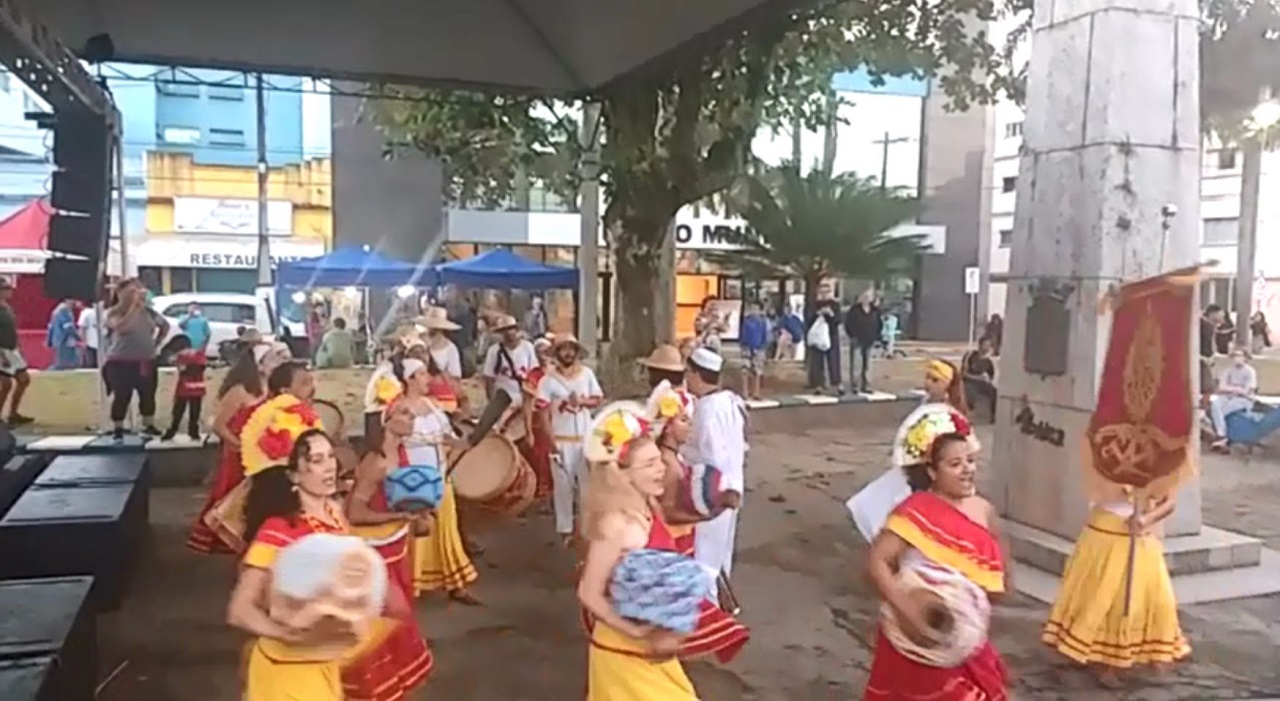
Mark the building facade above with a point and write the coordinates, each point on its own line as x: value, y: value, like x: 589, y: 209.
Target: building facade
x: 1220, y: 183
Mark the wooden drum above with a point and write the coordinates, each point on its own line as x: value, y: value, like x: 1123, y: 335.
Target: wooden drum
x: 335, y: 424
x: 495, y: 476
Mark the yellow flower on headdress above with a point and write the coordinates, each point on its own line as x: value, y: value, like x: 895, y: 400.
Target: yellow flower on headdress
x: 386, y: 390
x: 670, y: 405
x: 268, y: 436
x: 617, y: 430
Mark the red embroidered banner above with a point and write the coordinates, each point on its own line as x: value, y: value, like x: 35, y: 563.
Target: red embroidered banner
x: 1141, y: 430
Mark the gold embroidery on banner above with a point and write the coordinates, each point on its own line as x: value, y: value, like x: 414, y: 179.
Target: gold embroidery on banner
x: 1133, y: 449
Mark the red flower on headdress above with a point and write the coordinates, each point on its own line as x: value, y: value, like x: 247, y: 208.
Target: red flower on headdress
x: 961, y: 423
x: 304, y: 411
x: 276, y: 443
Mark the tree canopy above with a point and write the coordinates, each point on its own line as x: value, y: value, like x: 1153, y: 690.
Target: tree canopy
x: 817, y: 225
x: 677, y: 137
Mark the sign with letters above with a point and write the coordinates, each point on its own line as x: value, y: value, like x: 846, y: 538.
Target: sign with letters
x: 236, y: 217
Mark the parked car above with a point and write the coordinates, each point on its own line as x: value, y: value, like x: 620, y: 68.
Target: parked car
x: 226, y: 312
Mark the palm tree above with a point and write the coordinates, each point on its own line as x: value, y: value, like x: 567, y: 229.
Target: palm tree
x: 817, y: 225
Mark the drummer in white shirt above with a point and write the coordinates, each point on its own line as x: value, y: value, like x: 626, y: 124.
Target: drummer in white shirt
x: 506, y: 365
x: 567, y: 394
x: 718, y: 439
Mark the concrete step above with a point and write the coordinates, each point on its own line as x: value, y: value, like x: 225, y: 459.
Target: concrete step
x: 1213, y: 549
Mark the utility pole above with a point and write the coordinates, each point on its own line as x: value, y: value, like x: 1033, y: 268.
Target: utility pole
x: 1246, y: 247
x: 589, y: 219
x: 884, y: 156
x: 264, y: 243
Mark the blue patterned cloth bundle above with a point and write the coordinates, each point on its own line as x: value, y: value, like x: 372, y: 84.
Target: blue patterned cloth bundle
x: 660, y: 588
x: 414, y: 488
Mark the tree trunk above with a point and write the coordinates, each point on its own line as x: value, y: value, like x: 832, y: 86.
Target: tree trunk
x: 638, y: 275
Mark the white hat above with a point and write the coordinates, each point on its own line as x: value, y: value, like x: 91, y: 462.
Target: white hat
x: 412, y: 366
x: 707, y: 359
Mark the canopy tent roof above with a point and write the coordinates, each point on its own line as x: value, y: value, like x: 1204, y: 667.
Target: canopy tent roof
x: 26, y: 229
x: 503, y: 270
x: 350, y: 265
x: 544, y: 46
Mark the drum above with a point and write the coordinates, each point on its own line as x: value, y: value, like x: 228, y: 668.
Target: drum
x: 956, y: 610
x: 414, y: 488
x: 226, y: 518
x: 660, y: 588
x: 332, y: 587
x: 700, y: 491
x: 331, y: 417
x: 495, y: 476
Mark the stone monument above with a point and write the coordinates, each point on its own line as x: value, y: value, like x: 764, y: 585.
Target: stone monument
x: 1108, y: 192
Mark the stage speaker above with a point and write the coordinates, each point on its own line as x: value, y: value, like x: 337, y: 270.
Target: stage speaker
x: 71, y: 278
x: 81, y: 192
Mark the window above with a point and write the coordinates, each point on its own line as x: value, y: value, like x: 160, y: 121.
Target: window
x: 1221, y: 232
x: 1006, y: 238
x: 182, y: 280
x: 172, y: 82
x: 226, y: 137
x: 226, y: 92
x: 4, y: 80
x: 151, y: 278
x: 224, y: 312
x: 1219, y: 291
x: 1227, y: 159
x: 1009, y: 184
x: 180, y: 135
x: 1013, y: 130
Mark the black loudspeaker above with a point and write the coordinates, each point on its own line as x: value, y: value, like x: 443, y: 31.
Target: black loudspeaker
x: 81, y: 192
x: 71, y: 278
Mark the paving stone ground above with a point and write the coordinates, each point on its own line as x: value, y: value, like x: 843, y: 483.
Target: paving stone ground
x: 799, y: 576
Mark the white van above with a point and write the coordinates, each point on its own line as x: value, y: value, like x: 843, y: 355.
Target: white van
x: 225, y: 311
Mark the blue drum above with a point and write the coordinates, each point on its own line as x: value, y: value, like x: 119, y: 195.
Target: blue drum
x: 414, y: 488
x: 659, y: 588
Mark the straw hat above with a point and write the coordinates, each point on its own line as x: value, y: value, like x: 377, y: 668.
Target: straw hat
x: 561, y: 339
x: 437, y: 318
x: 664, y: 357
x: 502, y: 322
x: 611, y: 428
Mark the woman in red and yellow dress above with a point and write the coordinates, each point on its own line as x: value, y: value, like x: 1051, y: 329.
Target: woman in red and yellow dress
x: 440, y: 557
x: 943, y: 523
x: 541, y: 446
x: 626, y: 661
x: 403, y: 661
x: 670, y: 413
x: 243, y: 390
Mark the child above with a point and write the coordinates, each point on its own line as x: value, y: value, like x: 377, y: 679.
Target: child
x: 188, y: 391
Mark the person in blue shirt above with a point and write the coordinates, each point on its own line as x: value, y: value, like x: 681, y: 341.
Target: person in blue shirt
x: 64, y: 337
x: 753, y: 337
x: 196, y: 328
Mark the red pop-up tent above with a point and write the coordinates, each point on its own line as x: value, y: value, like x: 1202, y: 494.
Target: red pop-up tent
x: 23, y: 236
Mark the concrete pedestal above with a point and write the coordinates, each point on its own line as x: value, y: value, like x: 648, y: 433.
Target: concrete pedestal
x: 1112, y: 138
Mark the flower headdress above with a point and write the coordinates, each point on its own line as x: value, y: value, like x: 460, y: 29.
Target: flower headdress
x: 268, y: 436
x: 612, y: 428
x: 917, y: 434
x: 665, y: 403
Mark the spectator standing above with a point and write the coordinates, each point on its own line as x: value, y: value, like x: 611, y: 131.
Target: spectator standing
x: 995, y: 332
x: 196, y: 328
x: 708, y: 325
x: 535, y: 320
x: 188, y: 392
x: 790, y: 332
x: 824, y: 364
x: 1259, y: 332
x: 89, y: 334
x: 134, y: 333
x: 64, y: 336
x: 1209, y: 322
x: 753, y: 337
x: 979, y: 371
x: 863, y: 325
x: 337, y: 348
x: 14, y: 378
x: 889, y: 329
x: 464, y: 337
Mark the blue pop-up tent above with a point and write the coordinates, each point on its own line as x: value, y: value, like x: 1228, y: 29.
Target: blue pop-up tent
x: 352, y: 265
x: 501, y: 269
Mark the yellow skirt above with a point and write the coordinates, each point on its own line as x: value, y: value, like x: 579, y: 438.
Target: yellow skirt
x: 1088, y: 624
x: 440, y: 560
x: 268, y: 679
x: 617, y: 672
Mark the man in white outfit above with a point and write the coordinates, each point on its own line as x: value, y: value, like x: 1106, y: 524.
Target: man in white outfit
x: 567, y: 393
x: 718, y: 439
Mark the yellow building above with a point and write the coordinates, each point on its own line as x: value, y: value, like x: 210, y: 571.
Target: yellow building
x: 202, y: 221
